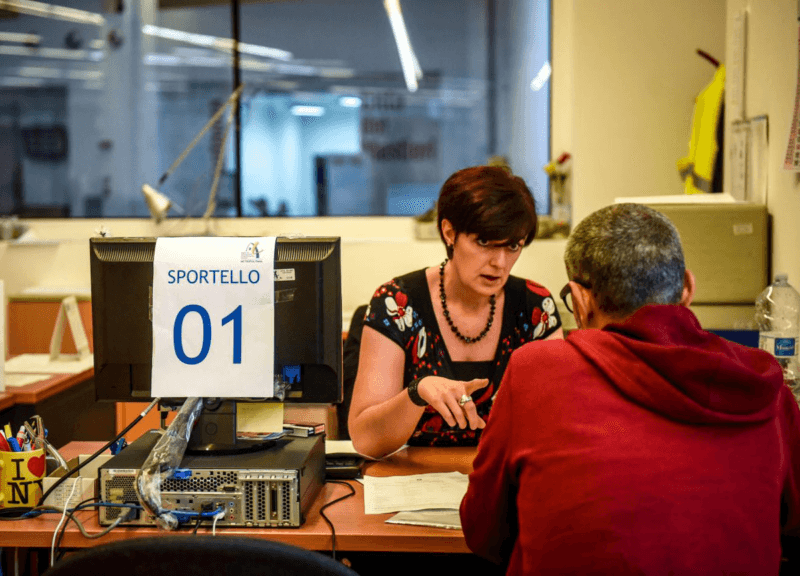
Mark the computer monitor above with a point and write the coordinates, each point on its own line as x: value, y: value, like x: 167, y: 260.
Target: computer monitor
x: 307, y: 312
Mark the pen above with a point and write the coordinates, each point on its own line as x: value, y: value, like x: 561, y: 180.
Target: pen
x: 7, y: 430
x: 21, y: 436
x: 13, y: 443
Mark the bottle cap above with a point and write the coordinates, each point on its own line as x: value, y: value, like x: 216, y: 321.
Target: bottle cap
x: 781, y: 277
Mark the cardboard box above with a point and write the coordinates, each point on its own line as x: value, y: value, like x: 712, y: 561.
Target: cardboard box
x: 86, y: 480
x: 726, y: 246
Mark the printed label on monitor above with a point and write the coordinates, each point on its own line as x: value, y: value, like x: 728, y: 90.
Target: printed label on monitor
x: 284, y: 275
x: 213, y: 317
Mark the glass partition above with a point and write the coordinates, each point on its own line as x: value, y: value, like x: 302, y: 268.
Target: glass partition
x: 338, y: 114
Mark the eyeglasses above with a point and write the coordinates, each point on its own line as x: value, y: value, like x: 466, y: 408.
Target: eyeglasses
x: 566, y: 293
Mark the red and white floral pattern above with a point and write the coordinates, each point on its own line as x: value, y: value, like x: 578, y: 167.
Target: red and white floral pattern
x: 419, y: 346
x: 402, y: 315
x: 391, y: 313
x: 544, y: 318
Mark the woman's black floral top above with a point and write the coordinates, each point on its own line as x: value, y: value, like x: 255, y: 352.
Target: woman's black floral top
x: 402, y: 311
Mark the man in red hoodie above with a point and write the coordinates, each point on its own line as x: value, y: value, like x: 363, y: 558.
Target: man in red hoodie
x: 641, y: 444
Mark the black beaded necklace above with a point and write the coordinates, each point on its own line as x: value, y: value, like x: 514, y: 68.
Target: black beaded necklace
x: 458, y: 334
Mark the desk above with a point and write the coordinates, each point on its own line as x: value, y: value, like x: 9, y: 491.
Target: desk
x: 355, y: 531
x: 66, y: 404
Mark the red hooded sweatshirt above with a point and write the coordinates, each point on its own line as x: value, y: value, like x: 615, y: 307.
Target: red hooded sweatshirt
x: 648, y: 447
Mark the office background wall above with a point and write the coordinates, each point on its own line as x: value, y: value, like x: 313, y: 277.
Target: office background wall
x: 622, y: 101
x: 771, y: 80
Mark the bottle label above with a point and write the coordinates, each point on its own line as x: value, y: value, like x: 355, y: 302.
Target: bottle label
x: 785, y: 347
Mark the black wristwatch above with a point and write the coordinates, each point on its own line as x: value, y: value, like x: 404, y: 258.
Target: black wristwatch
x: 413, y: 394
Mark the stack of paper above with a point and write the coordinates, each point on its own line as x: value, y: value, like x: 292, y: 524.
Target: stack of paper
x: 422, y: 499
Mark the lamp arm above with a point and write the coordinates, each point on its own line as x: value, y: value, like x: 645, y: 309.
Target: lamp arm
x: 233, y: 97
x: 220, y: 157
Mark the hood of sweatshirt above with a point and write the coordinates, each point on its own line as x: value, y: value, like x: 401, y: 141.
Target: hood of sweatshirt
x: 662, y: 359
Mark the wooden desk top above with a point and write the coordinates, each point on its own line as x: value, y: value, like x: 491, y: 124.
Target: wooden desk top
x: 355, y: 531
x: 47, y: 387
x: 6, y: 400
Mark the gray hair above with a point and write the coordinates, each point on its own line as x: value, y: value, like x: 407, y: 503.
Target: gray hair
x: 629, y: 255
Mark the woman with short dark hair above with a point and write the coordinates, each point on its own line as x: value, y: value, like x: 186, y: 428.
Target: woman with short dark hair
x: 436, y: 341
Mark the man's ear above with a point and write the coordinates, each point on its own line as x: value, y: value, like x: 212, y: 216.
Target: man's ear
x: 688, y: 288
x: 583, y: 304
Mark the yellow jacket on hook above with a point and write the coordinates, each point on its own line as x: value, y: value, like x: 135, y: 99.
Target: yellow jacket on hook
x: 697, y: 168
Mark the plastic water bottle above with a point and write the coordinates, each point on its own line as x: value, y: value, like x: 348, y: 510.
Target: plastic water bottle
x: 778, y: 320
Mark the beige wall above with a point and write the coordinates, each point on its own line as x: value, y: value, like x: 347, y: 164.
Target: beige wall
x: 771, y: 80
x: 373, y: 251
x: 635, y: 78
x: 624, y: 81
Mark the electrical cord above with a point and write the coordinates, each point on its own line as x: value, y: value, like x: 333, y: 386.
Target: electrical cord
x: 83, y: 506
x: 60, y: 522
x: 96, y: 454
x: 197, y: 524
x: 331, y: 503
x: 214, y: 524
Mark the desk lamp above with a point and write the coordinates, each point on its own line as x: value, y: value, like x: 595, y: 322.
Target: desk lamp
x: 157, y: 203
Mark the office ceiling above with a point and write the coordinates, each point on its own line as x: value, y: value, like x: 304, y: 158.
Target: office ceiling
x: 194, y: 3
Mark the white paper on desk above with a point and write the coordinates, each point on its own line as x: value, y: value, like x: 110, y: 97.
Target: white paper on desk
x: 447, y: 518
x: 43, y: 364
x: 13, y: 380
x: 414, y: 492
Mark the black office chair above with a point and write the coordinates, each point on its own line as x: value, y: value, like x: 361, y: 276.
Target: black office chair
x: 194, y: 555
x: 350, y: 352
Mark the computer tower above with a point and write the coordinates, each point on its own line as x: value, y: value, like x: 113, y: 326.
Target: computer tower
x: 272, y: 488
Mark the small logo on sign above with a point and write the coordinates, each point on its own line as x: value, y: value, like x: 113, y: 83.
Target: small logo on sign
x: 251, y: 253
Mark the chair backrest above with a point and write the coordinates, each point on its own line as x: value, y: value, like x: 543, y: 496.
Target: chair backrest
x: 350, y: 353
x: 195, y: 555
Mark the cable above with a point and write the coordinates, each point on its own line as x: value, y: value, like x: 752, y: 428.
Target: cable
x: 82, y: 506
x: 197, y: 525
x: 60, y: 522
x: 96, y: 454
x: 331, y: 503
x: 217, y: 516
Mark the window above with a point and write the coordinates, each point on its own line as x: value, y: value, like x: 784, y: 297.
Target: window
x: 94, y: 103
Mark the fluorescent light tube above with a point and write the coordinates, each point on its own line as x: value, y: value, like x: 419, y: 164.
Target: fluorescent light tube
x: 51, y: 11
x: 224, y: 44
x: 304, y: 110
x: 411, y: 69
x: 350, y: 101
x: 20, y: 38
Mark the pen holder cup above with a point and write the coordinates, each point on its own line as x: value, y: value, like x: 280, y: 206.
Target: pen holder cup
x: 21, y: 475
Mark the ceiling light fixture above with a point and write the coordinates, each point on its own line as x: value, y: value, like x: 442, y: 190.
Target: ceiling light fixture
x: 408, y: 61
x: 57, y: 53
x: 350, y: 101
x: 20, y: 38
x: 305, y: 110
x: 541, y: 77
x: 51, y: 11
x: 223, y: 44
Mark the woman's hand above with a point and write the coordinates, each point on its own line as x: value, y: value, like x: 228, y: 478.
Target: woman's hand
x: 445, y: 396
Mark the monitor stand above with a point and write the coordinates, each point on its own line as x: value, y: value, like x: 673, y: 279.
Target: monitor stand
x: 214, y: 432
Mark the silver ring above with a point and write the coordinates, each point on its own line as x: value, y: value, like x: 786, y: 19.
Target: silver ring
x: 464, y: 399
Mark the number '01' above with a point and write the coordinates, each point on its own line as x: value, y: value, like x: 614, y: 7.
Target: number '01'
x: 177, y: 334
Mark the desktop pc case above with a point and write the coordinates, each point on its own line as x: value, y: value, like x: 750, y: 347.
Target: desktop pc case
x: 272, y: 488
